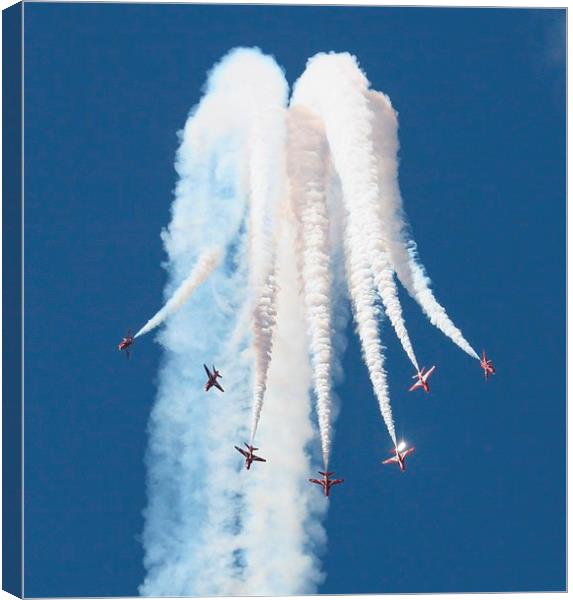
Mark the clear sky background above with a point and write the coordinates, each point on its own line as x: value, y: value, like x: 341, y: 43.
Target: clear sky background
x: 481, y: 100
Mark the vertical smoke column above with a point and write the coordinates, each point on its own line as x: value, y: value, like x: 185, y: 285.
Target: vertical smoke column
x: 192, y: 540
x: 282, y: 529
x: 307, y: 166
x: 331, y: 88
x: 403, y: 253
x: 267, y: 189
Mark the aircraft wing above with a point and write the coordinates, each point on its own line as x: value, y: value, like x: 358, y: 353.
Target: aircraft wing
x: 218, y: 386
x: 241, y: 451
x: 416, y: 385
x: 408, y: 452
x: 207, y: 371
x: 336, y: 481
x: 428, y: 373
x: 389, y: 460
x: 315, y: 481
x: 259, y: 459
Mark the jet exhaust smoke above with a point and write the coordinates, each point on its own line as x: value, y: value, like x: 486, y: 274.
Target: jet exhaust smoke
x: 331, y: 88
x: 278, y: 498
x: 207, y: 263
x: 268, y: 190
x: 365, y: 313
x: 307, y: 168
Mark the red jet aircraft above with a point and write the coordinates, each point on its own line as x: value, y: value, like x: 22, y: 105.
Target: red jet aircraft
x: 399, y: 457
x: 487, y: 365
x: 126, y: 343
x: 326, y: 483
x: 422, y: 379
x: 212, y: 382
x: 250, y: 456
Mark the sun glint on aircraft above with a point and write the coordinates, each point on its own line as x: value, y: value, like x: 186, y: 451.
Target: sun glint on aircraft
x: 126, y: 342
x: 326, y: 483
x: 400, y: 454
x: 487, y: 365
x: 422, y: 379
x: 249, y: 455
x: 212, y: 379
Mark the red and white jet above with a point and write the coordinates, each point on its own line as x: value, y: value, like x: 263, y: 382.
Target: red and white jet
x: 250, y: 456
x: 487, y: 365
x: 212, y: 381
x: 400, y: 454
x: 422, y: 379
x: 126, y: 343
x: 326, y: 483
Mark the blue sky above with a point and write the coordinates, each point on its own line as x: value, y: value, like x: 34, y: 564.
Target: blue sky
x: 481, y: 100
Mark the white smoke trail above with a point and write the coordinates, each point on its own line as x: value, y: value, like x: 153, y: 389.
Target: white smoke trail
x: 263, y: 321
x: 268, y: 188
x: 307, y: 167
x: 206, y: 264
x: 333, y: 86
x: 282, y: 529
x: 403, y: 252
x: 361, y: 286
x: 317, y: 90
x: 340, y: 297
x: 193, y: 485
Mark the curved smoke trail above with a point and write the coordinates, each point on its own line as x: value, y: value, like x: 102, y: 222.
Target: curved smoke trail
x: 307, y: 167
x: 403, y: 251
x: 268, y: 188
x: 333, y: 86
x: 206, y: 264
